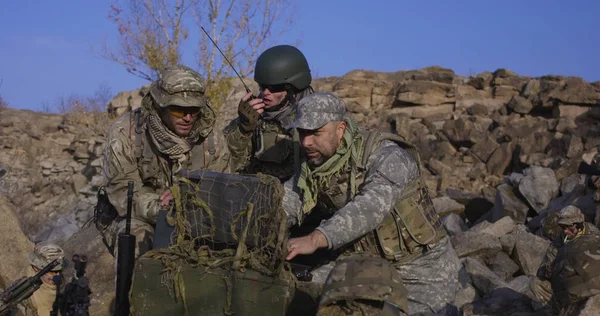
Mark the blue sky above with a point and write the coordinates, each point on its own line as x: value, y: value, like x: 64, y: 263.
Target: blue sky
x: 46, y: 46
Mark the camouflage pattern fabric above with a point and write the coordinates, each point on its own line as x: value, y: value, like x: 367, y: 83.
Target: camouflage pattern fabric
x: 570, y: 215
x: 362, y: 277
x: 130, y: 156
x: 431, y: 279
x: 46, y: 252
x: 269, y: 147
x: 179, y: 85
x: 318, y: 109
x: 541, y: 285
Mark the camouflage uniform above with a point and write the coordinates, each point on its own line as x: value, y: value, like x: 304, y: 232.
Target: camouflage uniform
x: 541, y: 285
x: 41, y: 301
x: 268, y: 147
x: 363, y: 285
x: 376, y: 204
x: 143, y: 150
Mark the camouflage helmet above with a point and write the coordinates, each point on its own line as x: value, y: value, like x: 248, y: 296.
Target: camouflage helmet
x: 282, y: 64
x: 363, y: 277
x: 570, y: 215
x: 178, y: 85
x: 46, y: 252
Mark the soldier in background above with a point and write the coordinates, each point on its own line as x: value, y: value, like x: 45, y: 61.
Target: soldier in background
x: 259, y: 139
x: 40, y: 303
x: 573, y: 225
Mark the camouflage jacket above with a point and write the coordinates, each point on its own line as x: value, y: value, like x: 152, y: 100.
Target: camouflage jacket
x: 151, y: 171
x: 545, y: 269
x: 269, y: 150
x: 387, y: 172
x: 38, y: 304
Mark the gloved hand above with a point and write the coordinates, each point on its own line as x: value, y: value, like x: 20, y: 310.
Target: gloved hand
x: 249, y: 110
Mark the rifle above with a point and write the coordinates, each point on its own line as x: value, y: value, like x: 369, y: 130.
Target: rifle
x: 75, y: 300
x: 585, y: 168
x: 23, y: 288
x: 125, y: 260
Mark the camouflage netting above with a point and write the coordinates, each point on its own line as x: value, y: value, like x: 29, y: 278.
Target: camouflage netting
x: 225, y: 221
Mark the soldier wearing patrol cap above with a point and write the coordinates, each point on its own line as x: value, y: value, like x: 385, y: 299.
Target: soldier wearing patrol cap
x: 362, y: 191
x: 571, y: 222
x: 173, y: 130
x: 41, y: 301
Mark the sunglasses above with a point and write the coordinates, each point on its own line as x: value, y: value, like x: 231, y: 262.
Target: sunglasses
x: 52, y: 273
x: 181, y: 112
x: 273, y: 88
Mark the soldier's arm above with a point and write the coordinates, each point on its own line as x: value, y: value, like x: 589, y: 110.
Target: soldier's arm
x: 239, y: 145
x: 389, y: 170
x: 221, y: 162
x: 545, y: 269
x: 120, y: 167
x: 291, y: 203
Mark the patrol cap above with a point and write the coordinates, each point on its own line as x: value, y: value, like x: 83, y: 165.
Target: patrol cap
x: 178, y: 85
x: 570, y: 215
x: 46, y: 252
x: 318, y: 109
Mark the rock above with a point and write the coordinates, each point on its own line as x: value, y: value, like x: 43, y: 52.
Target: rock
x: 14, y: 242
x: 520, y: 104
x: 591, y: 307
x: 502, y: 265
x: 444, y: 205
x: 500, y: 159
x: 466, y: 295
x: 529, y: 252
x: 508, y: 204
x: 508, y: 243
x: 538, y: 187
x: 482, y: 278
x: 454, y: 224
x: 484, y: 149
x: 500, y: 228
x: 477, y: 244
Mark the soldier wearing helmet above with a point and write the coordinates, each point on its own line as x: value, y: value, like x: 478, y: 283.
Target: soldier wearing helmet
x: 172, y: 131
x: 40, y: 302
x: 572, y: 225
x: 258, y: 139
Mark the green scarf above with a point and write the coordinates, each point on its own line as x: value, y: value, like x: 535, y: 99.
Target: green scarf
x: 311, y: 182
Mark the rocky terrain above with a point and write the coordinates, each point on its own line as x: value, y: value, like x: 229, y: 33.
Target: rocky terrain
x: 499, y: 153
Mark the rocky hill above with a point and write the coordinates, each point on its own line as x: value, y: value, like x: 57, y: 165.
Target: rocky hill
x: 499, y: 152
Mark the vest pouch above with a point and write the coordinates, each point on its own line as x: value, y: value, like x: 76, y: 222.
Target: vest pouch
x: 208, y: 291
x: 411, y: 225
x: 275, y: 147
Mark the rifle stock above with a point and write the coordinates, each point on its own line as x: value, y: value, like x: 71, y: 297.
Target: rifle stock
x: 125, y: 260
x: 24, y: 288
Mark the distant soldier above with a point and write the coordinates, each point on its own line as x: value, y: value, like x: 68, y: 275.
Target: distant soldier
x: 40, y: 303
x: 577, y: 239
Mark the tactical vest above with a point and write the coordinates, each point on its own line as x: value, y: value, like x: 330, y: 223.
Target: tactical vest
x: 274, y: 149
x: 151, y: 163
x: 576, y: 270
x: 412, y: 224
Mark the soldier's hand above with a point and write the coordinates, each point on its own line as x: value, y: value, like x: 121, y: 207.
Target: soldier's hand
x: 249, y: 111
x: 306, y: 245
x: 165, y: 198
